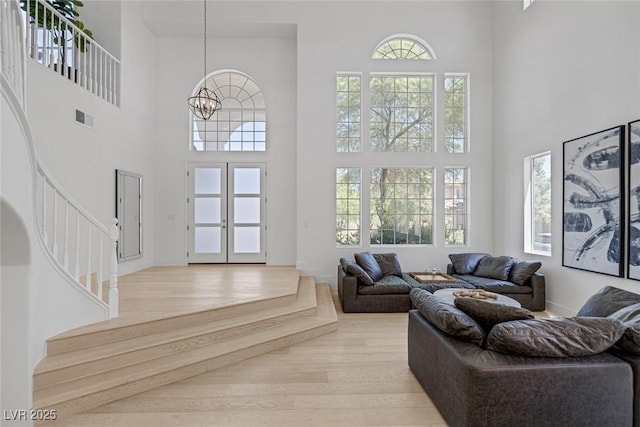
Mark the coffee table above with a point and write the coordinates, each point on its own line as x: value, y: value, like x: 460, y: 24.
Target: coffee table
x: 426, y: 277
x: 448, y: 296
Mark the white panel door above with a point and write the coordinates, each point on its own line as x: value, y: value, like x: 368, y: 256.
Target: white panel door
x: 226, y: 208
x: 247, y: 213
x: 207, y: 208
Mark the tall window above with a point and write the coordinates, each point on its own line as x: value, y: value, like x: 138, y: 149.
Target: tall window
x: 455, y: 113
x: 401, y: 206
x: 537, y: 211
x: 401, y: 113
x: 241, y: 123
x: 389, y: 129
x: 455, y: 206
x: 348, y: 181
x: 348, y: 108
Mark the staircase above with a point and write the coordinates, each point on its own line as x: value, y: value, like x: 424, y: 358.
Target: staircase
x: 101, y: 363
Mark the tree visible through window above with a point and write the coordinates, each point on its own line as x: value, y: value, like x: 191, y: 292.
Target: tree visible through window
x: 401, y: 113
x: 455, y: 206
x: 395, y: 151
x: 403, y: 47
x: 348, y: 181
x: 455, y: 113
x: 401, y: 206
x: 538, y: 204
x: 348, y: 110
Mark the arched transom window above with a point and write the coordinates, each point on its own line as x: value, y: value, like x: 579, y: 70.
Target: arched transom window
x: 241, y: 123
x: 403, y: 47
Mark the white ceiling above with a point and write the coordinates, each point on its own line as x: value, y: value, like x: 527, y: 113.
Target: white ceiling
x: 184, y: 18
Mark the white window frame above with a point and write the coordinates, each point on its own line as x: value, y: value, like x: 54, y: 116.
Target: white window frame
x: 361, y: 141
x: 467, y: 111
x: 467, y: 199
x: 529, y: 204
x: 433, y: 214
x: 434, y: 109
x: 359, y: 168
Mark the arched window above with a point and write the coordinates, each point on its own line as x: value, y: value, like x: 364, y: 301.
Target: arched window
x: 403, y: 47
x: 241, y: 123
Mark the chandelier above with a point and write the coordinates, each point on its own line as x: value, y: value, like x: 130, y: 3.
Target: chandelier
x: 205, y: 103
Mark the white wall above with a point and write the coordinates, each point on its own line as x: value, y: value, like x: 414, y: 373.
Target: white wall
x: 298, y: 78
x: 562, y: 70
x: 102, y: 17
x: 82, y: 159
x: 271, y: 63
x: 37, y: 302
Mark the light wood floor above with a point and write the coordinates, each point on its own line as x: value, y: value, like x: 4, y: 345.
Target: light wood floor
x: 176, y: 290
x: 356, y: 376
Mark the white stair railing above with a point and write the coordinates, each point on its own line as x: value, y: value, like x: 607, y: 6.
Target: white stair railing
x: 58, y: 44
x: 78, y: 245
x: 12, y: 48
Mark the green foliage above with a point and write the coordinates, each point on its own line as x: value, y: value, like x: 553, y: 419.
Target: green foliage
x: 401, y: 113
x: 542, y: 195
x: 61, y: 31
x: 348, y: 206
x: 399, y: 234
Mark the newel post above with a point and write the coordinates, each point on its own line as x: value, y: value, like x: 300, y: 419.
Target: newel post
x: 113, y: 277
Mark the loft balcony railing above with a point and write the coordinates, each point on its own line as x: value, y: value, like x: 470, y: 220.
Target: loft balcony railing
x: 59, y: 45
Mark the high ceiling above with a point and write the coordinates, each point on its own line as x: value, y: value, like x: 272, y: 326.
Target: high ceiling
x: 180, y: 18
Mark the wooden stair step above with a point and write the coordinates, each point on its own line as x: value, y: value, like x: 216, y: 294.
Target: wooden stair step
x: 78, y: 363
x: 125, y: 328
x: 93, y: 390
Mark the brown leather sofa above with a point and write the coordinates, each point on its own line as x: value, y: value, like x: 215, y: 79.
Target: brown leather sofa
x: 391, y: 293
x: 473, y: 387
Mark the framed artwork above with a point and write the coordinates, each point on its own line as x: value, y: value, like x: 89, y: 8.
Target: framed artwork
x: 633, y: 270
x: 593, y: 202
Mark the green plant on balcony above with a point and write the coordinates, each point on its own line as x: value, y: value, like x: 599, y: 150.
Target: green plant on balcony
x: 61, y: 33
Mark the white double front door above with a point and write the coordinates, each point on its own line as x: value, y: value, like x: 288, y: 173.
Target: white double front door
x: 226, y: 211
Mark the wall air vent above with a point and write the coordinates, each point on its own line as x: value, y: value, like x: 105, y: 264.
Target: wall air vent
x: 83, y: 118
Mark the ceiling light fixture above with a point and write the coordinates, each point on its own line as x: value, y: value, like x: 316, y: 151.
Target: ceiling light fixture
x: 205, y: 103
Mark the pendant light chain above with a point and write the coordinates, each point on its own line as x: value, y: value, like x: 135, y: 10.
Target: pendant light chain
x: 205, y: 42
x: 205, y: 103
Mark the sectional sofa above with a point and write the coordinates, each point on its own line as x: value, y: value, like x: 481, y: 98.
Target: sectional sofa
x: 581, y: 371
x: 376, y: 283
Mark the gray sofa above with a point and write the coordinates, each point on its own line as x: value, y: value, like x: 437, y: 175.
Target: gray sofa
x: 472, y: 387
x: 477, y: 385
x: 390, y: 292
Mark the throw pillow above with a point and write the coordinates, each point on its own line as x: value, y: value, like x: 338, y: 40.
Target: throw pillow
x: 607, y: 301
x: 369, y: 264
x: 497, y: 267
x: 446, y: 317
x: 630, y: 316
x: 355, y: 270
x: 466, y: 263
x: 488, y: 314
x: 630, y: 341
x: 521, y: 271
x: 389, y: 264
x: 555, y: 337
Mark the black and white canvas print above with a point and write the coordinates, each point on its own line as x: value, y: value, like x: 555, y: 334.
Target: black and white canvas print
x: 593, y: 196
x: 633, y: 272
